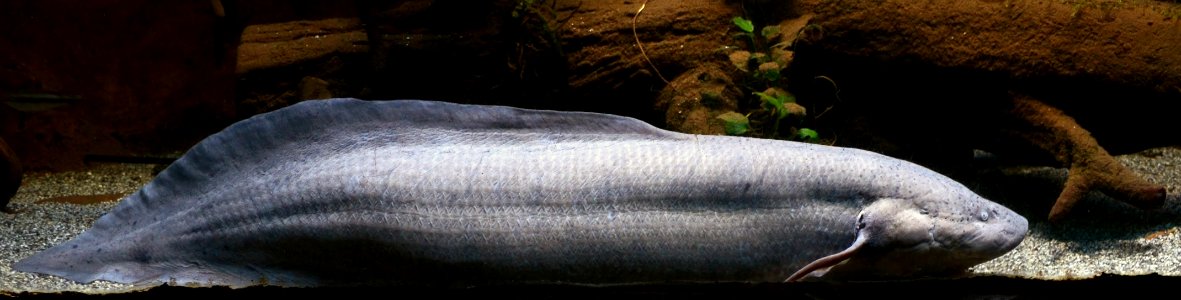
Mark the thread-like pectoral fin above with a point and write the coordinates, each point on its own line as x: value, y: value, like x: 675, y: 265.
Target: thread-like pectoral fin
x: 823, y: 264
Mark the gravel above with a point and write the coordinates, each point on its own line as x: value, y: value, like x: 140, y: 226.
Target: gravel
x: 1101, y: 235
x: 40, y: 224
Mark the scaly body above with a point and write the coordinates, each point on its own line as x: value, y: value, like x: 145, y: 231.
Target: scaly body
x: 346, y: 191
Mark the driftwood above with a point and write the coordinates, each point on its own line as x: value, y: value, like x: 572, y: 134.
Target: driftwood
x: 289, y: 43
x: 1091, y: 167
x: 1005, y: 75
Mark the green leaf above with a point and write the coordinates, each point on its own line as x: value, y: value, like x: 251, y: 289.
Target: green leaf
x: 770, y: 32
x: 769, y: 99
x: 807, y: 135
x: 736, y: 123
x: 744, y: 24
x: 775, y: 102
x: 771, y: 75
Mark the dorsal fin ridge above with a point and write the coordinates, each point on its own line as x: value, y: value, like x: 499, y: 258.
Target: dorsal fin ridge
x: 252, y: 142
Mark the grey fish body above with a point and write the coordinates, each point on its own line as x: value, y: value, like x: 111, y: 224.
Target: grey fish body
x: 347, y: 191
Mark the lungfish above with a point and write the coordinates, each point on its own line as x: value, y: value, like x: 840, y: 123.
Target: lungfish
x: 344, y: 191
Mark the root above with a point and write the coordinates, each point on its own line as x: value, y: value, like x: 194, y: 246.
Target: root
x: 641, y: 45
x: 836, y: 93
x: 1090, y: 166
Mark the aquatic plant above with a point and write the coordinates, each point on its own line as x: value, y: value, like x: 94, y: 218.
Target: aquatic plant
x: 774, y: 102
x: 764, y: 62
x: 735, y: 123
x: 536, y: 24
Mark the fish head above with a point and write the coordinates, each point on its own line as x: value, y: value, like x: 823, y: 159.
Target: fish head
x: 922, y: 237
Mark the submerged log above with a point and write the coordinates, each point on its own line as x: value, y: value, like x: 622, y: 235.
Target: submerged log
x: 945, y: 73
x: 1113, y: 65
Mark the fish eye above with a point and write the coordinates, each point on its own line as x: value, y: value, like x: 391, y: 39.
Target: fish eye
x: 984, y: 215
x: 861, y: 221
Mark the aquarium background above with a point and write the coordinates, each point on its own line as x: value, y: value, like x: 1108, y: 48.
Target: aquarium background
x: 100, y: 95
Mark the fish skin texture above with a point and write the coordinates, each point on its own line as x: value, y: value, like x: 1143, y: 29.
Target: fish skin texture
x: 344, y: 191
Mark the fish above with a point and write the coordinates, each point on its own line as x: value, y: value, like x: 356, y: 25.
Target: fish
x: 344, y: 192
x: 38, y: 102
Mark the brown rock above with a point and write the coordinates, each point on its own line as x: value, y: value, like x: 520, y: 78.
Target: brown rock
x: 1132, y: 43
x: 313, y: 88
x: 150, y: 75
x: 1075, y: 55
x: 693, y: 101
x: 679, y: 37
x: 282, y: 44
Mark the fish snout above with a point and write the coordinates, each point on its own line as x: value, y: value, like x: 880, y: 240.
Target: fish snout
x: 999, y: 230
x: 978, y: 233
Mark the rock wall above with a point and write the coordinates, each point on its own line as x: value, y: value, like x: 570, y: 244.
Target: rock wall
x: 145, y: 76
x: 1115, y: 66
